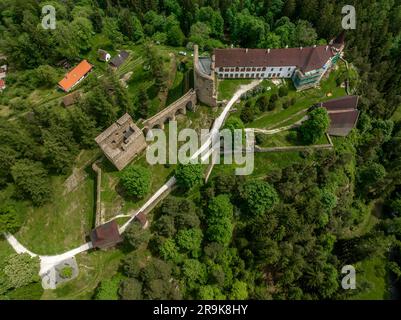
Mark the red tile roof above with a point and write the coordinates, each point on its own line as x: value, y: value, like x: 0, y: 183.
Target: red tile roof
x: 141, y: 217
x: 2, y: 84
x: 106, y: 235
x: 75, y: 75
x: 307, y: 59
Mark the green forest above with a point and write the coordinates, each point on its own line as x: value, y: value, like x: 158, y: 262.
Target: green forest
x: 283, y: 234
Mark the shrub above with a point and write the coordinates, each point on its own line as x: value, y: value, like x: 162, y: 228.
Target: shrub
x: 136, y: 181
x: 283, y: 91
x: 189, y: 175
x: 259, y: 196
x: 263, y: 103
x: 274, y: 105
x: 66, y: 272
x: 286, y: 103
x: 260, y: 138
x: 315, y: 127
x: 247, y: 114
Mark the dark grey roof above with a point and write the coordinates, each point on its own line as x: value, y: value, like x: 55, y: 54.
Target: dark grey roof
x: 307, y: 59
x: 343, y: 114
x: 205, y: 64
x: 341, y: 123
x: 119, y: 59
x: 346, y: 102
x: 102, y: 54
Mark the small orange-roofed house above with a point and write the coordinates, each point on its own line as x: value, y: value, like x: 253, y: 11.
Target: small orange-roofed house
x: 75, y: 76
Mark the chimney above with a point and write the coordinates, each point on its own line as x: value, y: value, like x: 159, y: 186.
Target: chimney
x: 327, y: 47
x: 300, y: 48
x: 246, y: 50
x: 314, y: 46
x: 286, y: 46
x: 268, y: 50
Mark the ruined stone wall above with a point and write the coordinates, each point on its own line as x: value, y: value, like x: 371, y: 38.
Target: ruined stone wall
x: 169, y: 113
x: 205, y: 85
x: 119, y: 148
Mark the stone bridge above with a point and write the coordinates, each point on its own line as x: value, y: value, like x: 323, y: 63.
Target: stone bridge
x: 187, y: 101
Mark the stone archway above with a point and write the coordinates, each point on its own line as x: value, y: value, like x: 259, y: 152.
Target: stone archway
x: 186, y: 102
x: 189, y: 106
x: 180, y: 111
x: 168, y: 119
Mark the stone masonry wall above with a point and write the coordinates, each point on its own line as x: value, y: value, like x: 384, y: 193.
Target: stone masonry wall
x: 204, y: 84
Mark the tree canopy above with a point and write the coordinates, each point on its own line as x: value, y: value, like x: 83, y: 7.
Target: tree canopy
x: 315, y: 126
x: 136, y: 181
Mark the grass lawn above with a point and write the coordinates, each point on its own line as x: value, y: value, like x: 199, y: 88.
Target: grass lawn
x: 177, y: 90
x: 5, y: 249
x: 263, y: 163
x: 112, y: 197
x: 304, y: 100
x: 287, y: 138
x: 227, y: 87
x: 63, y: 223
x: 397, y: 115
x: 374, y: 272
x: 93, y: 267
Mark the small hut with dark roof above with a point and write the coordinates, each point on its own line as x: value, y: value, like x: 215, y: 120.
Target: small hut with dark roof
x: 143, y: 220
x: 71, y: 98
x: 119, y: 59
x: 105, y: 236
x: 103, y: 55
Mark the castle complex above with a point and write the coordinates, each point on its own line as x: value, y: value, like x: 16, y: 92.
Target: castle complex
x: 124, y: 140
x: 305, y: 66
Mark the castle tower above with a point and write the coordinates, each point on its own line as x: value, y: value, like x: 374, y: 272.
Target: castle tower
x: 204, y: 79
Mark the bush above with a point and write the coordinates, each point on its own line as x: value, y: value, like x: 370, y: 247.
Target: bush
x: 136, y: 235
x: 45, y: 76
x: 31, y: 180
x: 292, y: 136
x: 274, y: 105
x: 108, y: 289
x: 263, y: 103
x: 189, y: 175
x: 283, y: 91
x: 259, y: 196
x: 20, y: 270
x: 260, y: 138
x: 315, y: 127
x: 10, y: 218
x: 395, y: 206
x: 287, y: 103
x: 233, y: 123
x: 273, y: 97
x: 136, y: 181
x: 247, y: 114
x: 66, y: 272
